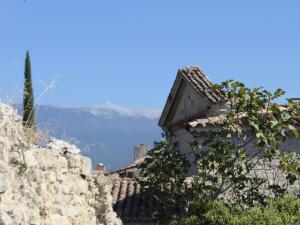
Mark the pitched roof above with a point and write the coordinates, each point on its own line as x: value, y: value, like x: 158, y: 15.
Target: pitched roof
x: 218, y: 120
x: 199, y: 82
x: 129, y: 170
x: 204, y: 122
x: 127, y: 201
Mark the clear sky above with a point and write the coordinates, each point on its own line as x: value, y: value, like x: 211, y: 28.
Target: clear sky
x: 128, y: 52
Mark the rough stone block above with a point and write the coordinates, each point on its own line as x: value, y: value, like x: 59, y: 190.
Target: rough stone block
x: 3, y: 183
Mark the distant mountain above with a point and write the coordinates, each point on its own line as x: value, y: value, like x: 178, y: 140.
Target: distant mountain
x: 111, y: 111
x: 105, y: 133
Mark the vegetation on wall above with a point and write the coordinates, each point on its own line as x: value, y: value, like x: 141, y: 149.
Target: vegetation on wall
x: 225, y: 183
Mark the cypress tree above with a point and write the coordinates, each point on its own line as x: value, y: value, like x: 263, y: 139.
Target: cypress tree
x: 28, y: 99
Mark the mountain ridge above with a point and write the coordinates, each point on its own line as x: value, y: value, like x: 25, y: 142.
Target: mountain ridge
x: 109, y: 109
x: 106, y: 133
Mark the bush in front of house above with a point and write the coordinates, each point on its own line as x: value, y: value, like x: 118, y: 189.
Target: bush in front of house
x: 278, y: 211
x: 161, y: 178
x: 224, y: 191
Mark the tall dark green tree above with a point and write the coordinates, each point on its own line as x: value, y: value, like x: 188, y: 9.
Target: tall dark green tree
x: 28, y: 98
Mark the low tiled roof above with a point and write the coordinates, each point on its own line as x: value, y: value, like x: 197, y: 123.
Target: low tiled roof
x: 204, y: 122
x: 130, y: 168
x: 218, y: 120
x: 199, y: 81
x: 127, y: 201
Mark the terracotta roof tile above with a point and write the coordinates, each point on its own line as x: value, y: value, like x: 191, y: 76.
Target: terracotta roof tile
x: 128, y: 203
x: 129, y: 168
x: 199, y: 81
x: 218, y: 120
x: 204, y: 122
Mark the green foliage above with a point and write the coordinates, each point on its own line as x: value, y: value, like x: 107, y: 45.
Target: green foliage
x: 162, y: 176
x: 278, y: 211
x: 224, y: 163
x: 223, y: 159
x: 22, y: 167
x: 28, y: 99
x: 290, y: 164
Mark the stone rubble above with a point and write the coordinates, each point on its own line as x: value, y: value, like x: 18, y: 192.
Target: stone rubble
x: 48, y: 185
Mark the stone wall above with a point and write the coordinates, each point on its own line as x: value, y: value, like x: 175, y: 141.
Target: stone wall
x: 50, y: 184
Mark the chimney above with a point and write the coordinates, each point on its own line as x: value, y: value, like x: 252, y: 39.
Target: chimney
x: 140, y: 152
x: 101, y: 168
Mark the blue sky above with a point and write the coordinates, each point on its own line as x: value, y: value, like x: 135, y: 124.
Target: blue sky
x: 128, y: 52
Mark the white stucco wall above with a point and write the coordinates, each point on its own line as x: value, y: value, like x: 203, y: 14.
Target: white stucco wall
x: 189, y: 104
x: 292, y: 144
x: 182, y: 137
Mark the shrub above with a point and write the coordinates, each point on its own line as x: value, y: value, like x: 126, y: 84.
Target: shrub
x: 224, y: 164
x: 279, y: 211
x: 162, y: 176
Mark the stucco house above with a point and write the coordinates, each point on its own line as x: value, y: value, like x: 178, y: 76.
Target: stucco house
x: 190, y: 98
x: 193, y: 107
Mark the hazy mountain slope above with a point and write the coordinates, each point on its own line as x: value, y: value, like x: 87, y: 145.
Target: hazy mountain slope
x: 105, y: 133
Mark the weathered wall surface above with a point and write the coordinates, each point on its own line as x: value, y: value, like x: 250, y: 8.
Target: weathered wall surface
x: 48, y: 185
x: 188, y: 104
x: 268, y: 171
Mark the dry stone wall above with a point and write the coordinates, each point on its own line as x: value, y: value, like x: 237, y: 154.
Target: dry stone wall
x: 48, y: 185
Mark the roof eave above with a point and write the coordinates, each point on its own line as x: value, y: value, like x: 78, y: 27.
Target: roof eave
x: 171, y: 98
